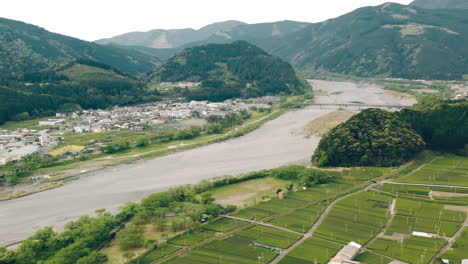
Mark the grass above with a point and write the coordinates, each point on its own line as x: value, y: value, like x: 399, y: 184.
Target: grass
x: 413, y: 215
x: 459, y: 250
x: 270, y: 236
x: 247, y: 192
x: 448, y: 170
x: 415, y: 250
x: 357, y: 218
x: 312, y: 250
x: 13, y: 125
x: 224, y: 225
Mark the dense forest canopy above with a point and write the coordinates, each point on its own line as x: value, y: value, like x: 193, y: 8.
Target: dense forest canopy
x: 373, y: 137
x: 443, y: 126
x: 231, y: 70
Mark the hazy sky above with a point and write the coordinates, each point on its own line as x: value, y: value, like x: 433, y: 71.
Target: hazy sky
x: 94, y: 19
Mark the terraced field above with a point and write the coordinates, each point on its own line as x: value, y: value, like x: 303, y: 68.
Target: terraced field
x: 357, y: 218
x: 413, y: 215
x: 449, y: 170
x: 312, y: 250
x: 414, y: 250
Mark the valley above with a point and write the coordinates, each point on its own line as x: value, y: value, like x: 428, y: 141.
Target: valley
x: 279, y: 142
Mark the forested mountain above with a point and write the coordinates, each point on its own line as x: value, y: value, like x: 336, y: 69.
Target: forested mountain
x: 78, y: 84
x: 373, y: 137
x: 390, y: 40
x: 439, y: 4
x: 28, y: 48
x: 231, y: 70
x: 173, y: 38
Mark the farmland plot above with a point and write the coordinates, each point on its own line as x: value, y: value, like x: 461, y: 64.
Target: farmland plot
x: 224, y: 225
x: 357, y: 218
x: 415, y: 250
x: 312, y: 250
x: 449, y: 170
x: 301, y: 220
x: 459, y: 250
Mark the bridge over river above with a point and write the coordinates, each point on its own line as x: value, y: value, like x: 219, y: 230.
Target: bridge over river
x: 355, y: 106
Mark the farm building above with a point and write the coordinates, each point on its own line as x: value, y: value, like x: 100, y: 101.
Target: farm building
x: 346, y: 254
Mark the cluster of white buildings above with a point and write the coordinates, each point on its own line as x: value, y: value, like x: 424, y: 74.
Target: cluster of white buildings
x: 14, y: 145
x: 460, y: 92
x: 140, y: 117
x: 22, y: 142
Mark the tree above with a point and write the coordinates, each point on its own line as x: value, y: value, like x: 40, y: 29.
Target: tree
x: 130, y: 237
x: 160, y: 223
x: 129, y: 255
x: 93, y: 258
x: 142, y: 142
x: 206, y: 198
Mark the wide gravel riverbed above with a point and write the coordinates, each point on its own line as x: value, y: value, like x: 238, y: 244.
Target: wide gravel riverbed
x: 279, y: 142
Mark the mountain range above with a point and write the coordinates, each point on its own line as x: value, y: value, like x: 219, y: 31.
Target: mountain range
x: 28, y: 48
x: 390, y: 40
x: 441, y: 4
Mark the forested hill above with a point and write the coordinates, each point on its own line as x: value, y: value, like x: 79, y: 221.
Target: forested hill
x: 78, y: 84
x: 389, y: 40
x: 231, y: 70
x: 439, y: 4
x: 28, y: 48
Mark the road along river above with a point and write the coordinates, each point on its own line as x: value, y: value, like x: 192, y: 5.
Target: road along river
x: 278, y: 142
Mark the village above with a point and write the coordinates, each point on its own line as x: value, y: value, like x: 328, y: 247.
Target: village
x: 44, y: 137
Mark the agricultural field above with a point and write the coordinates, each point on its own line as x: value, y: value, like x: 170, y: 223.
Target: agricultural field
x: 191, y: 237
x: 448, y: 170
x: 224, y: 225
x: 372, y: 258
x: 312, y: 250
x: 270, y: 236
x: 414, y: 250
x: 152, y: 255
x: 292, y: 200
x: 442, y: 194
x: 232, y: 250
x: 413, y: 215
x: 357, y: 218
x: 301, y: 220
x: 459, y: 250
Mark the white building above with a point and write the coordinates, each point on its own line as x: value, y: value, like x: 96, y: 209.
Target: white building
x: 346, y: 254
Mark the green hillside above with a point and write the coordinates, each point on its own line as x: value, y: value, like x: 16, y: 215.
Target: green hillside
x: 28, y: 48
x: 78, y: 84
x: 231, y: 70
x: 439, y: 4
x: 390, y: 40
x: 373, y: 137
